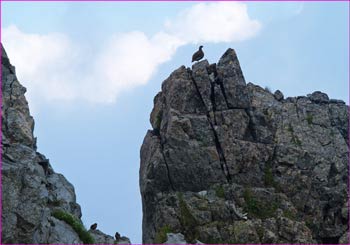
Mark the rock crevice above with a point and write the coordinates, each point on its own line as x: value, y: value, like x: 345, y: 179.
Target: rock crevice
x: 211, y: 109
x: 251, y: 166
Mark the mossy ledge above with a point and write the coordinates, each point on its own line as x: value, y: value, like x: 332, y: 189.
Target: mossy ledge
x: 76, y: 224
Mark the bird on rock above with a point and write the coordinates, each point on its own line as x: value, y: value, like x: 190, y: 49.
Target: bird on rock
x: 198, y: 55
x: 93, y: 226
x: 117, y: 236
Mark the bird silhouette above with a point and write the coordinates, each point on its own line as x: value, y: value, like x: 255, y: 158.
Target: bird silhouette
x: 198, y: 55
x: 93, y: 226
x: 117, y: 236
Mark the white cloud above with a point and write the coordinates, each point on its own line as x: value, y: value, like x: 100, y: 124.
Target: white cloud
x: 214, y: 22
x: 54, y: 68
x: 128, y: 60
x: 43, y: 62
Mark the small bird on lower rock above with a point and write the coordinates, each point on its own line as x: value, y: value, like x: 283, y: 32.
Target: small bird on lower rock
x: 198, y: 55
x: 93, y: 226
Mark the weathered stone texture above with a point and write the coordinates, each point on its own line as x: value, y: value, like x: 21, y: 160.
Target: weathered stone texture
x: 31, y: 190
x: 229, y: 162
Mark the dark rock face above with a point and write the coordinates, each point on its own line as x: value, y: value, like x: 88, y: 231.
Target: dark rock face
x: 229, y: 162
x: 31, y: 190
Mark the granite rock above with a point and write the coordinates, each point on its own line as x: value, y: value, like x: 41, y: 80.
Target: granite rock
x: 229, y: 162
x: 31, y: 189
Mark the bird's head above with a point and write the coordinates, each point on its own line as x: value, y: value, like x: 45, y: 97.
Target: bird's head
x: 200, y: 47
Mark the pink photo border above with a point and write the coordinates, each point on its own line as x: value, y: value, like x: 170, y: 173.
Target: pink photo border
x: 172, y: 1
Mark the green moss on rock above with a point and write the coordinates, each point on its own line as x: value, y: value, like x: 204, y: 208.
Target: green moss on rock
x: 187, y: 220
x: 161, y: 235
x: 158, y: 120
x: 220, y: 192
x: 269, y: 179
x: 289, y: 214
x: 76, y: 225
x: 259, y: 208
x: 309, y: 119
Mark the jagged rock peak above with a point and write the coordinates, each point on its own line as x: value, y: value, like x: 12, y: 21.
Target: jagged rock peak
x: 230, y: 162
x: 38, y: 204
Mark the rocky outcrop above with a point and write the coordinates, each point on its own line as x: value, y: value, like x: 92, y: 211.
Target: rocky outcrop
x: 230, y: 162
x: 38, y: 204
x: 101, y: 238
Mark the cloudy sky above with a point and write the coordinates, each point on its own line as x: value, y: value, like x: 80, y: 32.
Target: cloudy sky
x: 92, y: 70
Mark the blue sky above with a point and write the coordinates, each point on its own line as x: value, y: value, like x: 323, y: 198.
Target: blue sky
x: 91, y: 96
